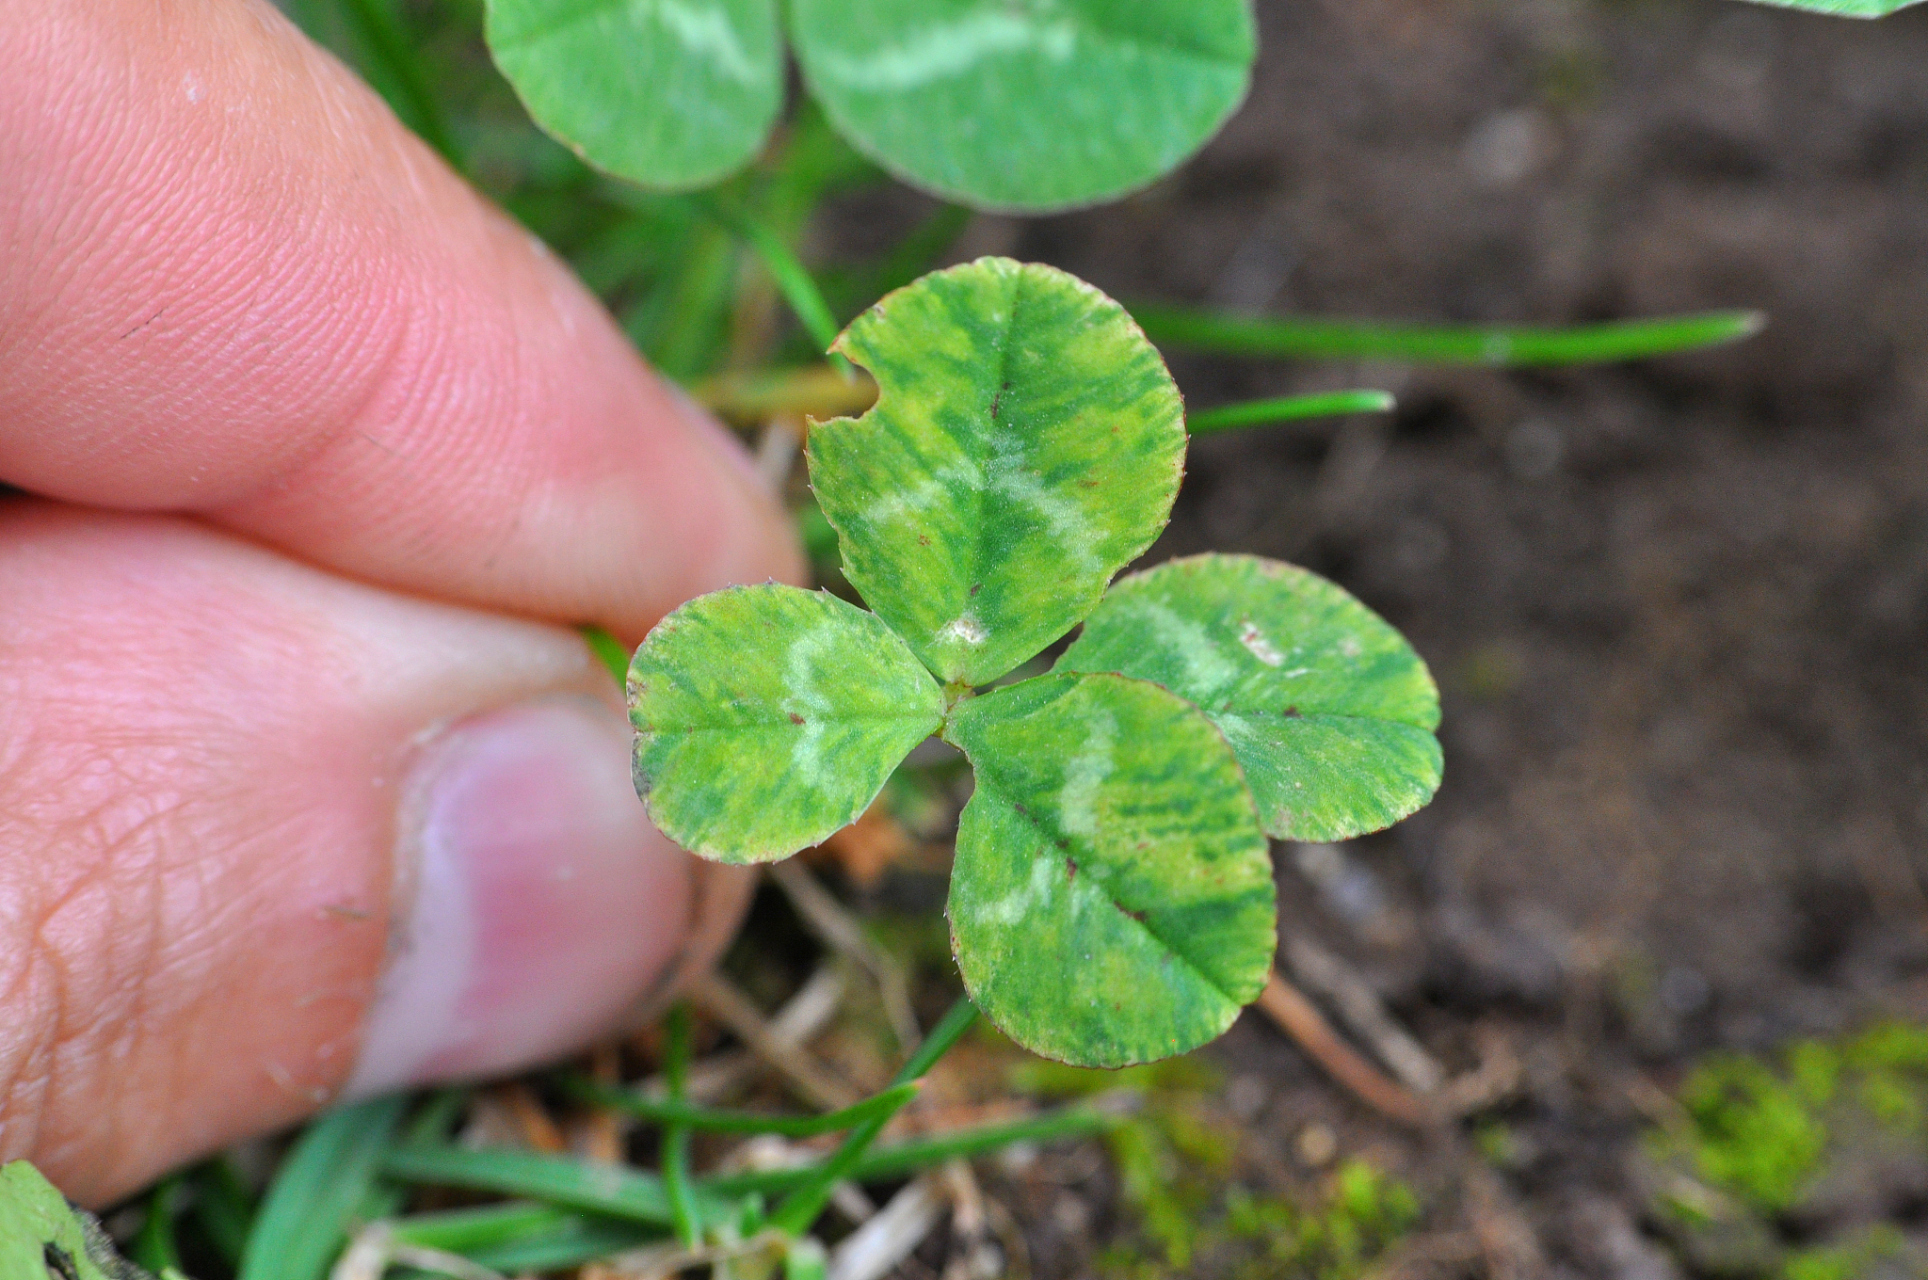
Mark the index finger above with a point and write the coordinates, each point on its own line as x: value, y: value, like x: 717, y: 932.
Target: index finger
x: 232, y: 284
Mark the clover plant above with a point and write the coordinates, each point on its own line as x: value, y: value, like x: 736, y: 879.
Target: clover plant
x: 1015, y: 104
x: 1111, y: 900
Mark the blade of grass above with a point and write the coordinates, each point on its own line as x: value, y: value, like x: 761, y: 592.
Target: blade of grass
x: 1321, y: 339
x: 850, y: 290
x: 609, y: 649
x: 388, y: 42
x: 801, y: 1207
x: 433, y: 1120
x: 570, y: 1245
x: 156, y: 1247
x: 676, y: 1136
x: 465, y: 1230
x: 613, y: 1190
x: 305, y: 1219
x: 793, y: 279
x: 680, y: 323
x: 1261, y: 413
x: 223, y: 1208
x: 900, y: 1159
x: 661, y: 1111
x: 523, y: 1237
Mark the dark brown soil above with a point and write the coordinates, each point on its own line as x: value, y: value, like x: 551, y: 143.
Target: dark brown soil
x: 1678, y: 609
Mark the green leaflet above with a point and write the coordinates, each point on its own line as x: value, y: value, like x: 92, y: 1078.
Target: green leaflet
x: 1042, y: 104
x: 42, y: 1238
x: 1026, y: 444
x: 1845, y: 8
x: 768, y: 717
x: 1112, y: 897
x: 672, y: 94
x: 1329, y: 709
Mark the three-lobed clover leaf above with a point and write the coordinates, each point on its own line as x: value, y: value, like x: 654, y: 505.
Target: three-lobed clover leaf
x: 1111, y: 900
x: 1329, y: 709
x: 1026, y: 444
x: 1027, y: 105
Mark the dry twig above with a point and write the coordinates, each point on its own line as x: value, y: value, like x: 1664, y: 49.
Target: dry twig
x: 875, y: 1249
x: 839, y: 930
x: 721, y: 999
x: 1360, y: 1006
x: 796, y: 1023
x: 1298, y: 1018
x: 598, y: 1135
x: 375, y: 1249
x: 534, y: 1125
x: 661, y: 1262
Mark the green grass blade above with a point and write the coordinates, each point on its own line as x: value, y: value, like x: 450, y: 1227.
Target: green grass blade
x: 793, y: 279
x: 155, y: 1247
x: 611, y: 1190
x: 662, y: 1111
x: 436, y: 1116
x: 521, y: 1237
x: 412, y: 95
x: 571, y: 1244
x: 1263, y: 413
x: 802, y: 1206
x: 901, y: 1159
x: 1845, y: 8
x: 486, y: 1226
x: 609, y: 649
x: 676, y: 1136
x: 682, y: 324
x: 223, y: 1208
x: 308, y: 1211
x: 1317, y: 339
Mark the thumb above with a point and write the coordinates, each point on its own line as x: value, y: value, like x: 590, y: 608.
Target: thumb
x: 380, y: 841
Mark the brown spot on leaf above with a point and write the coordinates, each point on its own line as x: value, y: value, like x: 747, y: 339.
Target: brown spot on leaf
x: 976, y: 587
x: 1139, y: 916
x: 795, y: 718
x: 1070, y: 870
x: 997, y: 398
x: 1292, y: 713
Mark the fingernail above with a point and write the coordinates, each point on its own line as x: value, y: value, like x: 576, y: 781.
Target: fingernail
x: 537, y: 902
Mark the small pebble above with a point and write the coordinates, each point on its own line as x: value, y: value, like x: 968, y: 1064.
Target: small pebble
x: 1317, y: 1145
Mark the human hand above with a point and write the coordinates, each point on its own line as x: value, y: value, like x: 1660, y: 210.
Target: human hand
x: 305, y: 787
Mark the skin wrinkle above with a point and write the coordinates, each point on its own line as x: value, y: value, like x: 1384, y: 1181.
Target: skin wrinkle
x: 318, y: 336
